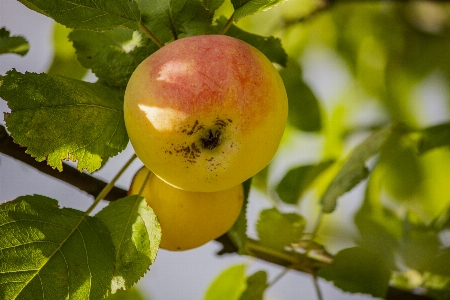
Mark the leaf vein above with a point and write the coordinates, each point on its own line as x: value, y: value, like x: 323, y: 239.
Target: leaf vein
x: 69, y: 106
x: 77, y: 5
x: 96, y: 138
x: 68, y: 273
x: 28, y: 243
x: 100, y: 242
x: 56, y: 250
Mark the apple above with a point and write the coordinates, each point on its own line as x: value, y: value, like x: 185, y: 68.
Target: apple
x: 205, y: 113
x: 188, y: 219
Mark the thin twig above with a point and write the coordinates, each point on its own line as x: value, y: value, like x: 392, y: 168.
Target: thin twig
x: 151, y: 35
x: 254, y: 246
x: 279, y: 276
x: 83, y: 181
x: 317, y: 287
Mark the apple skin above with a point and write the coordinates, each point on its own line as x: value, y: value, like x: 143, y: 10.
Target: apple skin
x: 205, y: 113
x: 188, y: 219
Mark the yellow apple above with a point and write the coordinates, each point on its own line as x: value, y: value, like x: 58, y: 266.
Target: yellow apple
x: 188, y: 219
x: 205, y: 113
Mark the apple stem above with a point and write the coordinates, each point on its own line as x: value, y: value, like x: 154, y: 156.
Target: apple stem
x: 110, y: 185
x: 227, y: 25
x: 144, y: 183
x: 151, y: 35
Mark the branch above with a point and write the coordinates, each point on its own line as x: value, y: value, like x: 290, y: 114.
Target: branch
x: 94, y: 186
x: 71, y: 175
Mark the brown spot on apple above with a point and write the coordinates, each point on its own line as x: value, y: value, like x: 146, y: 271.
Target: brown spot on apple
x: 211, y: 140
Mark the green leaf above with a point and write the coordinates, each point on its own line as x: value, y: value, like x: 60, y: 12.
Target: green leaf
x: 270, y: 46
x: 60, y: 118
x: 64, y: 59
x: 358, y: 270
x: 354, y: 170
x: 441, y: 291
x: 212, y: 5
x: 440, y: 263
x: 12, y: 44
x: 247, y: 7
x: 112, y: 55
x: 433, y: 137
x: 228, y: 285
x: 90, y: 15
x: 260, y: 179
x: 297, y: 180
x: 379, y: 227
x: 136, y: 235
x: 442, y: 221
x: 418, y: 244
x: 30, y: 5
x: 256, y: 286
x: 403, y: 172
x: 52, y: 253
x: 238, y: 233
x: 278, y: 230
x: 131, y: 294
x: 169, y: 19
x: 304, y: 109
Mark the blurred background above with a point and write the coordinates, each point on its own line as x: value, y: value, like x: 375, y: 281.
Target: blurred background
x: 362, y: 66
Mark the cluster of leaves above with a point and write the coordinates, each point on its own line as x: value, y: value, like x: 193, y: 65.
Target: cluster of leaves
x: 402, y: 223
x: 60, y: 252
x: 62, y: 117
x: 385, y: 234
x: 233, y: 284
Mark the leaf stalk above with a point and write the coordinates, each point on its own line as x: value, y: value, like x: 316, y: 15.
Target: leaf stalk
x: 110, y: 185
x: 150, y: 35
x: 227, y: 25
